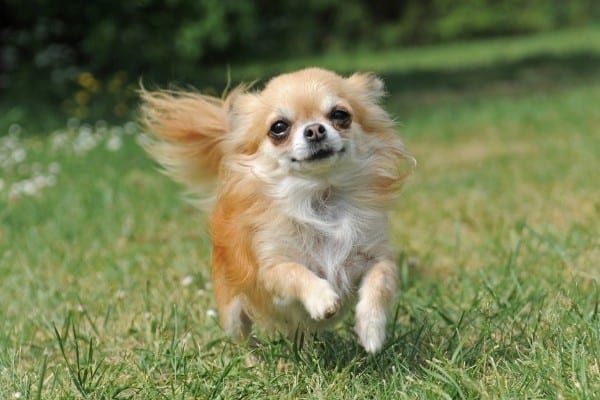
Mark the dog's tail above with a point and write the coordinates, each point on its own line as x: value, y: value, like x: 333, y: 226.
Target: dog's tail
x: 186, y: 134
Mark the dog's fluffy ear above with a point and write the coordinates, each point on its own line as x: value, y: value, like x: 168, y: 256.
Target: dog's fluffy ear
x: 186, y: 130
x: 242, y: 108
x: 239, y: 104
x: 391, y: 159
x: 368, y: 86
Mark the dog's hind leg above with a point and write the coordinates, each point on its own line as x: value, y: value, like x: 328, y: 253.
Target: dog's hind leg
x: 235, y: 322
x: 232, y: 317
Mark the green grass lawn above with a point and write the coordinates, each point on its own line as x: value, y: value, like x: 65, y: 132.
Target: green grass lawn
x: 105, y: 271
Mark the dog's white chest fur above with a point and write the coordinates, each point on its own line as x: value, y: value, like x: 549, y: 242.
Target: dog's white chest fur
x: 335, y: 241
x: 331, y: 235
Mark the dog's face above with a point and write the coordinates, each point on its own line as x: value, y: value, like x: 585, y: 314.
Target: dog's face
x: 308, y: 128
x: 306, y: 121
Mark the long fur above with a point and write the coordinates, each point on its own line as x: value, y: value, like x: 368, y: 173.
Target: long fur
x: 292, y: 248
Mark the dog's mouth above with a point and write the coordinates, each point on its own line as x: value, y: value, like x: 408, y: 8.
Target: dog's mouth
x: 320, y: 154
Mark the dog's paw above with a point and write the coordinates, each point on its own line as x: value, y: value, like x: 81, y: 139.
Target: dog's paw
x: 370, y: 327
x: 322, y: 302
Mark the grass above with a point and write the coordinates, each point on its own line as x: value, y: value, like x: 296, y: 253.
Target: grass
x: 105, y: 287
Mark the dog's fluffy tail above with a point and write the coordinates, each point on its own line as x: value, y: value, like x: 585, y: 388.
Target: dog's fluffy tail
x: 186, y: 134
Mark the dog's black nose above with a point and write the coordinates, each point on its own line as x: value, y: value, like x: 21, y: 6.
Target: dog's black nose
x: 315, y: 133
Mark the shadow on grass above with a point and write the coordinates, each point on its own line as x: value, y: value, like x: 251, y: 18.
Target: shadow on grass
x: 422, y: 89
x: 337, y: 351
x: 429, y: 325
x: 540, y: 70
x: 412, y: 347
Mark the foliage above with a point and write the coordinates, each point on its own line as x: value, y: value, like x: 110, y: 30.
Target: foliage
x: 166, y: 40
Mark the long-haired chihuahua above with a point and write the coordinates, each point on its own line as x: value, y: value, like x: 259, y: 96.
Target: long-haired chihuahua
x: 306, y: 171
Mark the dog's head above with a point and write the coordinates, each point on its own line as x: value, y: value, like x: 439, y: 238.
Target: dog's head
x: 309, y: 121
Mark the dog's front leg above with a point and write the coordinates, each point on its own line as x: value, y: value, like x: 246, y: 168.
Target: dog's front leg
x: 293, y: 281
x: 376, y: 291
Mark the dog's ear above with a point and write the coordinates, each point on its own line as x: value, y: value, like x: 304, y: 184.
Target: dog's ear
x: 242, y: 108
x: 239, y: 105
x: 367, y: 86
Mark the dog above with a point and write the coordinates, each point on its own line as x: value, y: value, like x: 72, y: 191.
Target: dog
x: 306, y: 171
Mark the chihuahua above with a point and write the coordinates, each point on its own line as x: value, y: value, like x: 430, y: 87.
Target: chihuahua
x: 305, y: 171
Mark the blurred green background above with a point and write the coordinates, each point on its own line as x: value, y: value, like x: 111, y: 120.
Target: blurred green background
x: 70, y: 58
x: 104, y: 287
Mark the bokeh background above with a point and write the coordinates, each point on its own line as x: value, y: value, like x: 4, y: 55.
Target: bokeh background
x: 85, y: 59
x: 105, y: 289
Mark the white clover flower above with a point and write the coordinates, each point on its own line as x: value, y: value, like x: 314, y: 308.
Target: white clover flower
x: 59, y: 140
x: 85, y: 140
x: 39, y: 181
x: 211, y: 313
x: 130, y: 127
x: 187, y: 280
x: 19, y: 155
x: 85, y: 130
x: 10, y: 142
x: 114, y: 143
x: 143, y: 139
x: 29, y: 187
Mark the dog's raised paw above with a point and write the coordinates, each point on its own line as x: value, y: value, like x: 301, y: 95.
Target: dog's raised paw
x: 322, y: 302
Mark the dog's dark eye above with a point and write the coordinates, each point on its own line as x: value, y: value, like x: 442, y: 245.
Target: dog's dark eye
x: 340, y: 118
x: 279, y: 129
